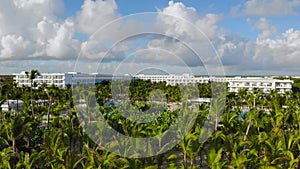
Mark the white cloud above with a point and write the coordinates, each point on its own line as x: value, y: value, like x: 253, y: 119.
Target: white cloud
x: 267, y: 28
x: 172, y: 23
x: 33, y: 29
x: 270, y: 52
x: 13, y: 45
x: 40, y: 7
x: 19, y: 16
x: 167, y: 51
x: 276, y: 52
x: 40, y: 34
x: 235, y: 51
x: 189, y: 18
x: 63, y: 44
x: 96, y: 14
x: 282, y: 52
x: 183, y: 33
x: 267, y: 8
x: 16, y: 66
x: 101, y: 21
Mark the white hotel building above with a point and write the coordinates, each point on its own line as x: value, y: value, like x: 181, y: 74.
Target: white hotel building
x: 174, y: 79
x: 58, y: 79
x: 61, y: 80
x: 266, y: 84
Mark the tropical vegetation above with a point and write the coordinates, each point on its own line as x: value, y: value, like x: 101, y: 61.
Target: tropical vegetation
x: 256, y: 130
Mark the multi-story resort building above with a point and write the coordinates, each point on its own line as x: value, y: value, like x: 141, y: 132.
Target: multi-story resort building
x: 174, y: 79
x: 234, y: 84
x: 58, y: 79
x: 266, y: 84
x: 61, y: 80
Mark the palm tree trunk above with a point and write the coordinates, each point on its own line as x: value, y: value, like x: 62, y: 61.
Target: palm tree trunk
x: 31, y: 100
x: 17, y: 105
x: 14, y: 145
x: 216, y: 124
x: 185, y: 159
x: 248, y: 128
x: 48, y: 115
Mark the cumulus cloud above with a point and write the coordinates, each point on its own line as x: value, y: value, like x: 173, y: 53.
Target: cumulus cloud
x: 284, y: 51
x: 96, y: 14
x: 184, y: 32
x: 266, y: 27
x: 273, y: 50
x: 167, y: 51
x: 189, y: 18
x: 33, y: 30
x: 13, y: 45
x: 267, y: 8
x: 19, y: 16
x: 63, y: 44
x: 105, y: 27
x: 212, y: 44
x: 235, y: 51
x: 178, y: 32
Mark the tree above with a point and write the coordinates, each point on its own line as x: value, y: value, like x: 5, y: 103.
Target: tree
x: 31, y: 76
x: 51, y: 96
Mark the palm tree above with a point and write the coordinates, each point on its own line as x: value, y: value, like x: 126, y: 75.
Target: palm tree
x: 31, y: 76
x: 51, y: 94
x: 14, y: 129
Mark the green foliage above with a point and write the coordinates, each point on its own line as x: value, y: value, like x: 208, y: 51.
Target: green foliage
x: 267, y: 136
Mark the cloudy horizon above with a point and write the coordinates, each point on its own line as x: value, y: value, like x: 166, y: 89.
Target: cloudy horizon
x: 251, y: 37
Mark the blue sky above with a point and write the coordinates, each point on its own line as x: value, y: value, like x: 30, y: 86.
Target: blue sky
x: 251, y: 37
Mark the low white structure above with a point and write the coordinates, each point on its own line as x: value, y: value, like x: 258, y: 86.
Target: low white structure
x: 12, y: 105
x: 174, y: 79
x: 200, y: 100
x: 266, y: 84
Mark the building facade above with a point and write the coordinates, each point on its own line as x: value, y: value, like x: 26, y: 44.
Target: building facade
x: 172, y: 79
x: 265, y: 84
x: 234, y: 84
x: 12, y: 105
x: 61, y: 80
x: 57, y: 79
